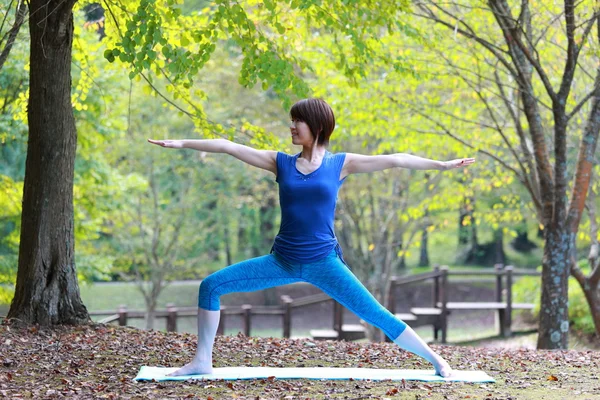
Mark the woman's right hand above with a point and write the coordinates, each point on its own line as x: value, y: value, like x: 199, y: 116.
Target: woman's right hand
x: 173, y: 144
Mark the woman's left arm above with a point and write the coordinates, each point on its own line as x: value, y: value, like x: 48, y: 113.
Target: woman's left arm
x: 358, y: 163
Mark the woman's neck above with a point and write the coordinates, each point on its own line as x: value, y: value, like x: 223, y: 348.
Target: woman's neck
x: 313, y: 154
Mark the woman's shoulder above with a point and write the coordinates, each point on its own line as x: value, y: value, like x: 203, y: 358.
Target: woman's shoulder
x: 284, y: 159
x: 282, y: 155
x: 337, y: 156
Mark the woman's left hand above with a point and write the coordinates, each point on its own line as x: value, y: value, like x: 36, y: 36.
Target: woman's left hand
x: 458, y: 163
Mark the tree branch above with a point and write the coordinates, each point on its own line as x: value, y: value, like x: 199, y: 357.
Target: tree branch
x: 593, y: 256
x: 533, y: 184
x: 497, y: 126
x: 585, y: 158
x: 501, y: 11
x: 583, y: 101
x: 453, y: 136
x: 487, y: 45
x: 13, y: 32
x: 572, y: 52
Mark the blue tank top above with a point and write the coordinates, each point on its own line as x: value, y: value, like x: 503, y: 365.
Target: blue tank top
x: 308, y: 205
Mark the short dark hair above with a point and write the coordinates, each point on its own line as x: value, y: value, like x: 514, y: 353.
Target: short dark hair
x: 319, y: 117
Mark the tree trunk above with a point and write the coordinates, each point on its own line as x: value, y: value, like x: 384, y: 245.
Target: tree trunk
x: 47, y: 292
x: 554, y: 315
x: 522, y: 243
x: 150, y: 315
x: 498, y: 254
x: 468, y: 245
x: 228, y: 256
x: 267, y: 217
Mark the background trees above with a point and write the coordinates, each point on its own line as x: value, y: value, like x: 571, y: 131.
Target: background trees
x: 438, y: 80
x: 535, y: 76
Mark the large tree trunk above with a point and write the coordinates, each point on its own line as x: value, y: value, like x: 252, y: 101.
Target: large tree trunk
x: 47, y: 292
x: 554, y: 312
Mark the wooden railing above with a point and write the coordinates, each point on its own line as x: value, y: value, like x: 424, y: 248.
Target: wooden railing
x: 503, y: 298
x: 440, y: 276
x: 172, y: 313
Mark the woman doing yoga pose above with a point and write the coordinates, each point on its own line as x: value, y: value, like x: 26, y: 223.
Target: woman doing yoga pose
x: 306, y: 248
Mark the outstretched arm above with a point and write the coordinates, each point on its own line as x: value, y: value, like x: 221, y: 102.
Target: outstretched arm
x: 265, y: 159
x: 358, y: 163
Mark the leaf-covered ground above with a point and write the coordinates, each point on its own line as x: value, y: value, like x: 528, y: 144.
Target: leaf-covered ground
x: 100, y: 362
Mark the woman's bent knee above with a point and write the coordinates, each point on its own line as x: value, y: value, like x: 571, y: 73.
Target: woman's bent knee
x: 208, y: 299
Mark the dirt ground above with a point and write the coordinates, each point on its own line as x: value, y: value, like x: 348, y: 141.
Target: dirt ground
x: 100, y: 361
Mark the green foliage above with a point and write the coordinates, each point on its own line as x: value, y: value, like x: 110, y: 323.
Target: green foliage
x: 8, y: 276
x: 528, y: 290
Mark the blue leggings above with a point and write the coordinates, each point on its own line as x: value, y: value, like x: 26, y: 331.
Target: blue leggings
x: 329, y: 274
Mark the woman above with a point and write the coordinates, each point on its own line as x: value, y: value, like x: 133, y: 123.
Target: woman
x: 305, y: 248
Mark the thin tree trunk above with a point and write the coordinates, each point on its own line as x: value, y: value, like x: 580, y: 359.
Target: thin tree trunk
x: 424, y: 254
x: 228, y: 256
x: 150, y: 313
x: 424, y: 251
x: 499, y: 255
x: 47, y: 291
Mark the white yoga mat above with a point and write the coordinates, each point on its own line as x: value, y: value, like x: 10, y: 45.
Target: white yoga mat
x: 235, y: 373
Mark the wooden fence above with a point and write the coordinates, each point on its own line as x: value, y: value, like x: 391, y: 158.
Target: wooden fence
x: 436, y: 314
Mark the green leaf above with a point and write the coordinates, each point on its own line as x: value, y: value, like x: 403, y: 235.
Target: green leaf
x: 108, y: 54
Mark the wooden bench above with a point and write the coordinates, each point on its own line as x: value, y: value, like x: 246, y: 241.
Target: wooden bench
x: 349, y: 332
x: 485, y: 306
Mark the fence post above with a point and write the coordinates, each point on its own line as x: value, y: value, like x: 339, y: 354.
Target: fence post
x: 122, y: 311
x: 221, y: 327
x: 507, y: 332
x: 287, y: 315
x: 171, y: 318
x: 498, y: 268
x: 501, y: 315
x: 444, y: 301
x: 436, y: 297
x: 247, y: 309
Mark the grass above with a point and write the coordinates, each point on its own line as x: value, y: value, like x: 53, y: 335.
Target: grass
x: 110, y: 295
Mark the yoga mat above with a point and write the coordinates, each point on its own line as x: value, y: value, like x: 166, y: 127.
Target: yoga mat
x: 235, y: 373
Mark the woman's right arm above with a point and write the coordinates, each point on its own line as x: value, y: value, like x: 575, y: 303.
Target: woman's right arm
x: 265, y: 159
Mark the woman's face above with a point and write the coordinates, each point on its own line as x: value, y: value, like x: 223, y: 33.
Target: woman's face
x: 300, y: 133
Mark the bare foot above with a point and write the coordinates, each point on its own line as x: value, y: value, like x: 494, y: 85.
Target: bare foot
x: 442, y: 368
x: 195, y: 367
